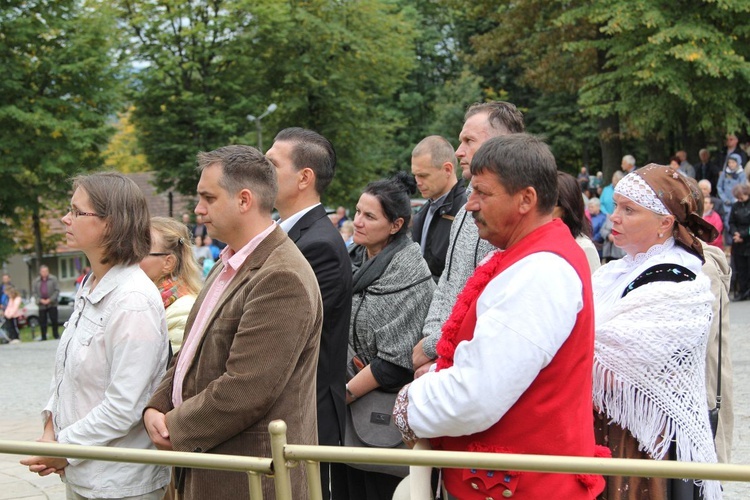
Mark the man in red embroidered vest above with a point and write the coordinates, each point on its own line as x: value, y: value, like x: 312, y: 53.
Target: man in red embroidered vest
x: 515, y: 358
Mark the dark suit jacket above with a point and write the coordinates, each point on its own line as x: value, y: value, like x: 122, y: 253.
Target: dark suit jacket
x: 324, y: 249
x: 255, y: 363
x: 438, y: 234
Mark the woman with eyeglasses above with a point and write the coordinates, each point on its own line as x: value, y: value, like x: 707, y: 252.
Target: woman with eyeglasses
x: 113, y: 352
x: 173, y: 269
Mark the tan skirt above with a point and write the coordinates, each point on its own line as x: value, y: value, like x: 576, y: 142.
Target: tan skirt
x: 623, y: 445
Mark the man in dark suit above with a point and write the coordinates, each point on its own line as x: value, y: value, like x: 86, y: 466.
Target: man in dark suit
x: 251, y: 341
x: 305, y: 163
x: 433, y: 164
x: 708, y: 169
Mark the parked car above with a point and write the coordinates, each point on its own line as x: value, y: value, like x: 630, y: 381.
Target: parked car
x: 30, y: 311
x: 416, y: 205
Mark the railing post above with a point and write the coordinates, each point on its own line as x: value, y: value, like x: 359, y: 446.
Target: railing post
x: 314, y: 488
x: 256, y: 488
x: 281, y: 479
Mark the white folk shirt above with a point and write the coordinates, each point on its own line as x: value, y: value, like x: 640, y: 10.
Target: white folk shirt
x: 524, y: 316
x: 111, y: 357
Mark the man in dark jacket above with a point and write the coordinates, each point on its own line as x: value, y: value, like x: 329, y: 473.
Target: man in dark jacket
x: 433, y: 164
x: 46, y: 291
x: 707, y: 169
x: 732, y: 147
x: 305, y: 162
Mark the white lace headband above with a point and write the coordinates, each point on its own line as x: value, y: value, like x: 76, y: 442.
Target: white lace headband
x: 634, y: 188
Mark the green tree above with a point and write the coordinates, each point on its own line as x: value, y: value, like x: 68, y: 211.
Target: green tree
x: 436, y: 72
x: 331, y: 66
x: 58, y: 89
x: 643, y: 71
x: 123, y: 152
x: 668, y: 70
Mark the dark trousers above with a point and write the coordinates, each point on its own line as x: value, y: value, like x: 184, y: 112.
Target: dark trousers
x: 742, y: 273
x: 43, y: 313
x: 11, y: 326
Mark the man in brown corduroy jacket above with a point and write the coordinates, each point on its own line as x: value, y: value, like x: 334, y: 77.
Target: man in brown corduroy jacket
x: 251, y: 341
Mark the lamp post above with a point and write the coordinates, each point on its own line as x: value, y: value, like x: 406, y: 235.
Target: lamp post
x: 252, y: 118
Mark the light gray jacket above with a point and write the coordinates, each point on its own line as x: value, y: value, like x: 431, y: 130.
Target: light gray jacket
x: 387, y: 316
x: 465, y: 251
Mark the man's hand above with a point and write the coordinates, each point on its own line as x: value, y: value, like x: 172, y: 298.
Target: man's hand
x: 423, y: 369
x: 418, y: 357
x: 156, y: 426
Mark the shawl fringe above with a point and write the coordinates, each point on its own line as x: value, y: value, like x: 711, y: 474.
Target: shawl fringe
x: 655, y: 417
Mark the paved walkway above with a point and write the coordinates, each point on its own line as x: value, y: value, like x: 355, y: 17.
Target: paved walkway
x: 26, y: 370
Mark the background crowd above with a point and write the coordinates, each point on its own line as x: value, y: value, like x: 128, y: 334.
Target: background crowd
x: 410, y: 313
x: 723, y: 180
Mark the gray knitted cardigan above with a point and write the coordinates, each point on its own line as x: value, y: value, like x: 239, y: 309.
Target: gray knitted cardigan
x: 387, y: 316
x: 465, y: 250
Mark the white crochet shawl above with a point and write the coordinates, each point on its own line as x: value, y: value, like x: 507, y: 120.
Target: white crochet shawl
x: 649, y: 365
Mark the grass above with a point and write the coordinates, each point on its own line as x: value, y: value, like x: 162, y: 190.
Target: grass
x: 26, y: 334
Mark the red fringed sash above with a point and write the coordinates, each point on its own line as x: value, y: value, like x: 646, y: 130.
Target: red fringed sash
x: 475, y: 285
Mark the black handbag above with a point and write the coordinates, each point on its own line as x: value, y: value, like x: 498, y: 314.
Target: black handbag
x: 369, y: 423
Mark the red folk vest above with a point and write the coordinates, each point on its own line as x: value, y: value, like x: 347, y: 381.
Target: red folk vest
x: 554, y: 416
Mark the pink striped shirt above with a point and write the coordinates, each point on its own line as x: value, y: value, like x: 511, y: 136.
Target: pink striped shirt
x: 232, y: 261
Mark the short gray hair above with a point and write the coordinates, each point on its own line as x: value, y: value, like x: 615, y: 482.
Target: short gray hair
x: 629, y: 159
x: 503, y: 116
x: 439, y: 150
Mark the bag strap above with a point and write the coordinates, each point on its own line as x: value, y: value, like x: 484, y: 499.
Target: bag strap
x: 718, y: 379
x: 660, y: 272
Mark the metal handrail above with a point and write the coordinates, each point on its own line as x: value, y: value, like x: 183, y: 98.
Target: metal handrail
x: 534, y: 463
x: 286, y: 456
x: 152, y: 457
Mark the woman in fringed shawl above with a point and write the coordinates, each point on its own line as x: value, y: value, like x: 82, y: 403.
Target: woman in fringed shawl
x: 653, y: 313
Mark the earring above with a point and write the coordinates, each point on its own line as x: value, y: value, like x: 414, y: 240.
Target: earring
x: 661, y: 235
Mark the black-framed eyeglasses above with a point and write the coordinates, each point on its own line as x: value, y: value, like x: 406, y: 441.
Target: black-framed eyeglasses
x: 77, y: 213
x: 159, y: 254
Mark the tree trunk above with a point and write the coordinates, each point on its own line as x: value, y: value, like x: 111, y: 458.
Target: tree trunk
x: 36, y: 227
x: 609, y: 140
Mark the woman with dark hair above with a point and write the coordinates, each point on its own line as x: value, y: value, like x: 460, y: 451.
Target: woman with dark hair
x: 113, y: 352
x: 653, y: 313
x: 739, y: 230
x: 571, y: 210
x: 392, y: 288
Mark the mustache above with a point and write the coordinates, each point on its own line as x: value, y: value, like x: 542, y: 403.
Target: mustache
x: 477, y: 217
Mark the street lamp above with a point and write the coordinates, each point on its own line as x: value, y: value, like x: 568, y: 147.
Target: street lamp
x: 252, y: 118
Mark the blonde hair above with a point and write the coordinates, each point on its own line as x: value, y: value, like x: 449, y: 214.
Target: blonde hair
x: 176, y: 240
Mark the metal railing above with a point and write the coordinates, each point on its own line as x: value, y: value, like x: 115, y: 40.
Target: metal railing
x: 286, y: 456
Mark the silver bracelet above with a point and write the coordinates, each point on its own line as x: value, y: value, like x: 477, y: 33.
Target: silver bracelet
x: 350, y: 393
